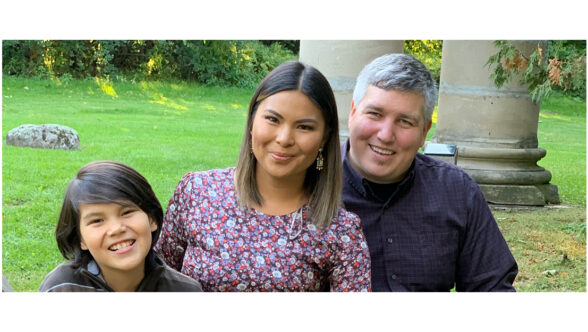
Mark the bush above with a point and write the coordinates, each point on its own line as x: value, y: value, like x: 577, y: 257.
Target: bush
x: 428, y: 52
x: 217, y: 62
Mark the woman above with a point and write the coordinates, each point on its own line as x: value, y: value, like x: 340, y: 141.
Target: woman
x: 273, y: 223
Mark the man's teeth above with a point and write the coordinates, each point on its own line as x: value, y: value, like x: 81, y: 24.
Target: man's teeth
x: 120, y: 245
x: 378, y: 150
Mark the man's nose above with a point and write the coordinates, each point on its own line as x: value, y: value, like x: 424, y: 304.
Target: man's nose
x: 387, y: 132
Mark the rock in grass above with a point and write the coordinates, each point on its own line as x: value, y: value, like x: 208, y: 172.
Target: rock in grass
x: 45, y: 136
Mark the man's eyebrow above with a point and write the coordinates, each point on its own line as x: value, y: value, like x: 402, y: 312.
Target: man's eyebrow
x: 409, y: 116
x: 374, y: 107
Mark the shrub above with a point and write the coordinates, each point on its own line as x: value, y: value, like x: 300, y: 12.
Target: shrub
x: 216, y: 62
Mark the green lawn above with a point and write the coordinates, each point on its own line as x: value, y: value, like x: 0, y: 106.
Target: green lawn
x: 165, y: 130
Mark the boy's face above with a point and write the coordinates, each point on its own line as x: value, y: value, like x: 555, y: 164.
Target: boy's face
x: 117, y: 236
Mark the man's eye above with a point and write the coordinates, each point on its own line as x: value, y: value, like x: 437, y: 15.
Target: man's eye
x: 406, y: 122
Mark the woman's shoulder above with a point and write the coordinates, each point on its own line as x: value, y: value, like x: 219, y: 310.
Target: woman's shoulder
x: 214, y: 176
x: 345, y: 219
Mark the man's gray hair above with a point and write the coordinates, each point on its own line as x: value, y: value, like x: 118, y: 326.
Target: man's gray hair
x: 400, y: 72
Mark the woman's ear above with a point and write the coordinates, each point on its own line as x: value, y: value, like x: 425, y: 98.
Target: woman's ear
x: 152, y: 224
x: 83, y: 245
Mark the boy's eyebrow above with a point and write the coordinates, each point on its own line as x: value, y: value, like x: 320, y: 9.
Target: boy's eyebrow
x: 91, y: 215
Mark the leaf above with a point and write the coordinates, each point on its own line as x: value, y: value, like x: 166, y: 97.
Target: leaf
x: 554, y: 70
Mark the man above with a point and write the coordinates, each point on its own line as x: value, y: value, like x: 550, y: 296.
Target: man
x: 427, y: 224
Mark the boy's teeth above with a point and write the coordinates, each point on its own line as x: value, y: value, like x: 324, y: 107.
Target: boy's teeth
x: 378, y: 150
x: 121, y: 245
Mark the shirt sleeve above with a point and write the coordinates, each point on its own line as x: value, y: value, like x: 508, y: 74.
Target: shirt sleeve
x: 172, y: 242
x: 485, y: 262
x: 351, y: 271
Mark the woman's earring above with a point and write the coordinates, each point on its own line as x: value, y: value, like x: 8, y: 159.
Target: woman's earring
x: 320, y: 160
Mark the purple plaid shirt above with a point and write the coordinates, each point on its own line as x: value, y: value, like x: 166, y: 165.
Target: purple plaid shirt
x: 434, y: 232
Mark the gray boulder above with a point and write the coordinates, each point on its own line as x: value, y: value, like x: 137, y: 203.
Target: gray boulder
x: 45, y: 136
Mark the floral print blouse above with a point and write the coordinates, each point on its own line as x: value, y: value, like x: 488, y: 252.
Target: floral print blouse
x: 226, y: 247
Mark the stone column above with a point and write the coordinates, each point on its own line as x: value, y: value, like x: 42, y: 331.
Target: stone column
x: 495, y: 130
x: 341, y: 61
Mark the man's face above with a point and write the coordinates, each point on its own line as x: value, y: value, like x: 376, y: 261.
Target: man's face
x: 386, y: 129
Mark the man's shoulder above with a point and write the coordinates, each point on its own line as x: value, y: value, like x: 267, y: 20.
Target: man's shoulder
x: 425, y: 163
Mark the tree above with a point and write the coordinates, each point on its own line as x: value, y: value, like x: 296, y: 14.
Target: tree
x: 553, y: 65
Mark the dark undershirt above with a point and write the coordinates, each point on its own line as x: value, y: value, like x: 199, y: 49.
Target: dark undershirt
x: 381, y: 191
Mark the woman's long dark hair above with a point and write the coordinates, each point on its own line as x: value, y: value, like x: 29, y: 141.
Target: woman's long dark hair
x: 324, y: 187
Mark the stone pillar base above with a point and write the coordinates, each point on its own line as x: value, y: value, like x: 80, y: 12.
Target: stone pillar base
x: 538, y: 195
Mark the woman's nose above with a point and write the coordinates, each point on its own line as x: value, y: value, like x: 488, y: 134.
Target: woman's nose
x: 285, y: 136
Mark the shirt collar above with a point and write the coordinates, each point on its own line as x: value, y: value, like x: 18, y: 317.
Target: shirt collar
x: 356, y: 180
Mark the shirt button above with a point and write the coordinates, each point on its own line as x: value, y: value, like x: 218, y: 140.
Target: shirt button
x: 389, y: 240
x: 394, y: 277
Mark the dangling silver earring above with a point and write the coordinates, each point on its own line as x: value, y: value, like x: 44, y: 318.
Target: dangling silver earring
x: 320, y: 160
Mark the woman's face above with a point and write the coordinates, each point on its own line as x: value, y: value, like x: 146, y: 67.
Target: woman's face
x: 287, y: 131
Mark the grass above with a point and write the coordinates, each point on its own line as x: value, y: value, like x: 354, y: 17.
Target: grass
x: 165, y: 130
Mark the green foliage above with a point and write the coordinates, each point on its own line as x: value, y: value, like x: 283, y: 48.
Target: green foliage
x: 553, y: 65
x: 428, y: 52
x: 217, y: 62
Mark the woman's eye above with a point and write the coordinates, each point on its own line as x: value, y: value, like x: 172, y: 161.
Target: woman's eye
x: 305, y: 127
x: 271, y: 118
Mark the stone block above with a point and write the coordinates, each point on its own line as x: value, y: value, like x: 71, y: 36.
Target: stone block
x: 513, y: 195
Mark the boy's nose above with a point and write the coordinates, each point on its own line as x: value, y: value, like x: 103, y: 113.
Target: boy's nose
x: 116, y: 226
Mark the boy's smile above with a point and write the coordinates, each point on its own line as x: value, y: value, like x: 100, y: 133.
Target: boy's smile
x: 117, y: 236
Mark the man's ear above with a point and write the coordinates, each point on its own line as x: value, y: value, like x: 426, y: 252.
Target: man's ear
x: 426, y: 131
x: 351, y: 113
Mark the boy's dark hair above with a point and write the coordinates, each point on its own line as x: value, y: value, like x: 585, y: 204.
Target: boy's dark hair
x: 102, y: 182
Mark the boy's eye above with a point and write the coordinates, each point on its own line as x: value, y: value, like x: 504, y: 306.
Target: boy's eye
x: 128, y: 211
x: 94, y: 221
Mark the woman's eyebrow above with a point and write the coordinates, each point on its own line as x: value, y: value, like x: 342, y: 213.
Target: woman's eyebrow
x: 274, y: 113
